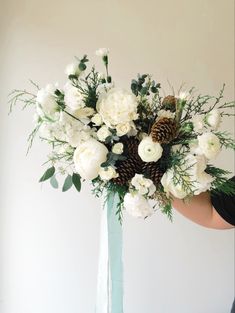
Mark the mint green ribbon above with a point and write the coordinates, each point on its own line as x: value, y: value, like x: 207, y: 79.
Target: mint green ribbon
x: 110, y: 274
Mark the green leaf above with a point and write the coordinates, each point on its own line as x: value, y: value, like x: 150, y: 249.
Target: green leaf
x: 54, y: 182
x: 67, y: 183
x: 76, y: 178
x: 48, y: 174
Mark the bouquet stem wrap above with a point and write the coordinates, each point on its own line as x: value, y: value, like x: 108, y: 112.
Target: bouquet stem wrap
x: 110, y: 272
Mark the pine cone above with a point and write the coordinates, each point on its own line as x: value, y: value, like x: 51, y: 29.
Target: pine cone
x: 153, y: 171
x: 131, y: 145
x: 130, y: 166
x: 127, y: 170
x: 164, y: 130
x: 169, y: 103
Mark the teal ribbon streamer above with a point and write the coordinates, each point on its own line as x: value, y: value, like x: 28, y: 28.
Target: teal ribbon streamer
x: 115, y: 254
x: 110, y: 273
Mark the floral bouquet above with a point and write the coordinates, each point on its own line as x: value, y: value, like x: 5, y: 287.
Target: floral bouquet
x: 135, y: 143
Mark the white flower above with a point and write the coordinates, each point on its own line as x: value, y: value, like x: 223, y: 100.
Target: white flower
x: 83, y: 112
x: 143, y: 185
x: 118, y: 148
x: 101, y: 75
x: 101, y: 52
x: 170, y: 187
x: 46, y: 101
x: 72, y: 69
x: 123, y: 129
x: 107, y: 173
x: 73, y: 97
x: 194, y: 174
x: 88, y: 157
x: 213, y: 119
x: 184, y: 96
x: 165, y: 114
x: 137, y: 206
x: 103, y: 133
x: 149, y: 151
x: 117, y: 106
x: 209, y: 145
x: 104, y: 88
x: 198, y: 123
x: 97, y: 119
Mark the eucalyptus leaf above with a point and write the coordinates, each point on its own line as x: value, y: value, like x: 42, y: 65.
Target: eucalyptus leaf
x: 68, y: 183
x: 48, y: 174
x: 54, y: 183
x: 76, y: 179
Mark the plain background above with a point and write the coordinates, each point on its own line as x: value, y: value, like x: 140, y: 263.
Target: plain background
x: 50, y: 240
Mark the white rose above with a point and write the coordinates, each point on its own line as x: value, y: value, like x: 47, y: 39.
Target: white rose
x: 72, y: 69
x: 213, y: 119
x: 170, y: 187
x: 46, y: 101
x: 88, y: 157
x: 118, y: 148
x: 149, y: 151
x: 103, y: 133
x: 209, y: 145
x: 143, y: 185
x: 123, y: 129
x: 117, y: 106
x: 97, y: 119
x: 102, y: 52
x: 107, y: 173
x: 137, y: 206
x: 73, y: 97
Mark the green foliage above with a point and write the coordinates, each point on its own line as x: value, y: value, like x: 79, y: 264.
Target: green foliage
x: 226, y: 140
x: 68, y: 183
x: 76, y: 179
x: 48, y: 174
x: 167, y: 209
x: 221, y: 183
x: 54, y: 183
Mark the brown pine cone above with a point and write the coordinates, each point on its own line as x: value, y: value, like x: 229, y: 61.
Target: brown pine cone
x: 164, y: 130
x: 152, y: 171
x: 127, y: 170
x: 169, y: 103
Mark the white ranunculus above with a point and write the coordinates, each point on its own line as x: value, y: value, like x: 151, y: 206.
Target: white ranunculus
x: 118, y: 148
x: 149, y: 151
x: 97, y: 119
x: 117, y: 106
x: 137, y: 206
x: 209, y: 145
x: 46, y: 101
x: 88, y: 157
x: 101, y: 52
x: 72, y: 69
x: 107, y: 173
x: 103, y: 133
x: 73, y: 97
x: 213, y: 119
x: 170, y: 187
x: 123, y: 129
x: 143, y: 185
x: 198, y: 123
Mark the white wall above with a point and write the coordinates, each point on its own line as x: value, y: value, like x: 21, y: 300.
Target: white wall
x: 49, y: 245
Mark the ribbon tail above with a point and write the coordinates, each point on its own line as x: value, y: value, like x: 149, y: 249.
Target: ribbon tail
x: 110, y: 271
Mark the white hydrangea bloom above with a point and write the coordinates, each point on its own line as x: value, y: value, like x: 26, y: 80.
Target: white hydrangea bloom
x: 73, y: 97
